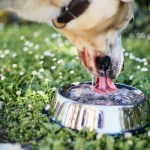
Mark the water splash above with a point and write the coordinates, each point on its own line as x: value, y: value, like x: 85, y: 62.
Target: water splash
x: 122, y: 96
x: 93, y: 79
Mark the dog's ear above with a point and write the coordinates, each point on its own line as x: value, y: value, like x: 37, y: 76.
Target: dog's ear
x: 127, y: 1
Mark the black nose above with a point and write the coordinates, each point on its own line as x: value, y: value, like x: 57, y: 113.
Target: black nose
x: 103, y: 63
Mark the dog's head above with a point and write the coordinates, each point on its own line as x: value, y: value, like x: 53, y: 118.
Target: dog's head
x: 94, y: 26
x: 97, y: 34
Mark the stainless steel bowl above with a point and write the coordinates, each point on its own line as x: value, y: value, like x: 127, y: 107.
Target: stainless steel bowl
x: 113, y: 119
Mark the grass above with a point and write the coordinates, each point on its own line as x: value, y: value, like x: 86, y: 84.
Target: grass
x: 34, y: 62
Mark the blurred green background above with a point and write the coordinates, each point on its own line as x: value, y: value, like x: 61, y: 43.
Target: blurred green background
x: 35, y: 60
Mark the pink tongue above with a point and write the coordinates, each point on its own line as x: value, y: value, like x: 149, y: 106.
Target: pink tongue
x: 104, y: 85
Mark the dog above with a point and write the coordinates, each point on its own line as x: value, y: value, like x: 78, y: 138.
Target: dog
x: 93, y: 26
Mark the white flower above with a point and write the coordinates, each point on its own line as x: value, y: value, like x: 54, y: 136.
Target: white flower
x: 48, y: 43
x: 40, y: 76
x: 27, y: 43
x: 130, y: 142
x: 21, y: 73
x: 71, y: 72
x: 54, y: 88
x: 47, y: 53
x: 22, y: 37
x: 30, y: 44
x: 2, y: 56
x: 126, y: 54
x: 18, y: 93
x: 37, y: 57
x: 60, y: 77
x: 144, y: 69
x: 41, y: 57
x: 59, y: 35
x: 60, y: 73
x: 73, y: 51
x: 76, y: 83
x: 123, y: 49
x: 59, y: 40
x: 46, y: 81
x: 73, y: 61
x: 127, y: 135
x: 138, y: 59
x: 6, y: 52
x: 14, y: 55
x: 99, y: 136
x: 131, y: 35
x: 47, y: 107
x: 54, y: 59
x: 145, y: 63
x: 148, y: 134
x: 30, y: 52
x: 34, y: 73
x: 67, y: 43
x: 25, y: 49
x: 53, y: 67
x: 14, y: 65
x: 144, y: 60
x: 131, y: 56
x: 41, y: 70
x: 36, y: 34
x: 143, y: 35
x: 41, y: 62
x: 41, y: 93
x: 60, y: 61
x: 37, y: 46
x: 54, y: 35
x: 138, y: 67
x: 29, y: 106
x: 52, y: 55
x: 47, y: 40
x: 131, y: 77
x: 2, y: 69
x: 3, y: 78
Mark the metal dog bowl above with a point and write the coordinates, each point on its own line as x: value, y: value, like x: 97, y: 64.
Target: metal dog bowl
x: 104, y: 118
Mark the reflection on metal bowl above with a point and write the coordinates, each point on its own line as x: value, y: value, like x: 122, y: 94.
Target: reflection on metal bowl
x: 109, y: 119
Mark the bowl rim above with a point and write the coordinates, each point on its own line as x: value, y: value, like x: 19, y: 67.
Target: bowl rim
x: 65, y: 99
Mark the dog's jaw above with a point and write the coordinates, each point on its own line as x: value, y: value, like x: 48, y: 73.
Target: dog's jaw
x: 106, y: 60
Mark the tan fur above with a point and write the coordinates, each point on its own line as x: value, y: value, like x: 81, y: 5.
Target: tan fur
x: 98, y: 29
x: 36, y: 10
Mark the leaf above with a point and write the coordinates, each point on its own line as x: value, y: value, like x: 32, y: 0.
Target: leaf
x: 109, y: 143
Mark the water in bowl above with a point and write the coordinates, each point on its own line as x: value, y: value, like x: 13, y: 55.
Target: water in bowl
x: 84, y: 93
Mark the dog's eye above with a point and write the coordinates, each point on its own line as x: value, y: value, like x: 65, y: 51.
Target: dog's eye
x: 131, y: 20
